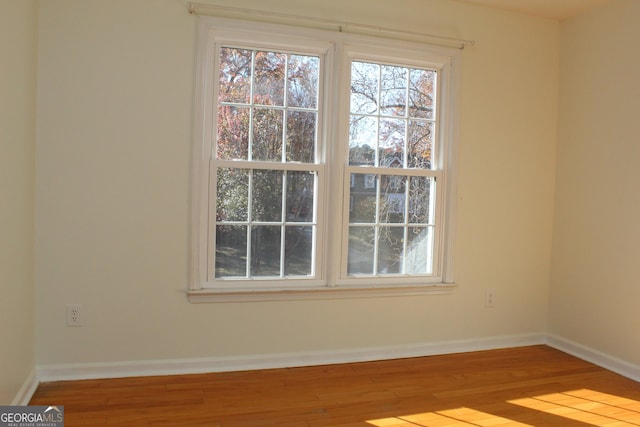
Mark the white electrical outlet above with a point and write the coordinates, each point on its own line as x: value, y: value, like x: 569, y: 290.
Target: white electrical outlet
x: 490, y: 298
x: 73, y: 315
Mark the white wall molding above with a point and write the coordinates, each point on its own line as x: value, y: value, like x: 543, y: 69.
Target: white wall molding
x: 596, y: 357
x: 26, y: 391
x: 60, y: 372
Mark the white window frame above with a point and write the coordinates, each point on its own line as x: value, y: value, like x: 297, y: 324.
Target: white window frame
x: 336, y: 50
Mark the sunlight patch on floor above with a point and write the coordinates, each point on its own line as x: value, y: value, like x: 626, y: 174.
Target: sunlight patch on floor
x: 448, y: 418
x: 588, y: 406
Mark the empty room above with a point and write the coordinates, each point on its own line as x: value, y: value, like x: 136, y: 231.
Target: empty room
x: 327, y: 213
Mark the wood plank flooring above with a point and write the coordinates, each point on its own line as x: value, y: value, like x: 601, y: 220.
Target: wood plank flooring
x: 528, y: 386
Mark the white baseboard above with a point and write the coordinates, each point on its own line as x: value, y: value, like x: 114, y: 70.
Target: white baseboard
x: 26, y: 391
x: 62, y: 372
x: 596, y: 357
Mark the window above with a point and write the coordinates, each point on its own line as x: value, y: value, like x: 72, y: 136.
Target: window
x: 322, y: 164
x: 391, y: 129
x: 265, y: 167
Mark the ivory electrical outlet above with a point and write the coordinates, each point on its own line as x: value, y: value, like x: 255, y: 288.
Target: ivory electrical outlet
x: 490, y: 298
x: 73, y: 315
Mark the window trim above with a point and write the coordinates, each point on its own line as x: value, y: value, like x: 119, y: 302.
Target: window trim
x: 336, y: 47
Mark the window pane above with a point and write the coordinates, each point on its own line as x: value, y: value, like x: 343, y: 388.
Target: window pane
x: 393, y: 94
x: 233, y: 133
x: 418, y: 255
x: 266, y: 196
x: 364, y: 87
x: 392, y: 141
x: 422, y: 94
x: 231, y: 251
x: 420, y: 144
x: 265, y: 250
x: 363, y: 138
x: 301, y: 136
x: 392, y: 125
x: 269, y: 78
x: 392, y: 199
x: 303, y: 74
x: 363, y: 199
x: 392, y: 116
x: 232, y: 188
x: 361, y: 250
x: 235, y: 75
x: 267, y: 112
x: 300, y: 186
x: 420, y: 200
x: 267, y: 135
x: 298, y: 246
x: 390, y: 245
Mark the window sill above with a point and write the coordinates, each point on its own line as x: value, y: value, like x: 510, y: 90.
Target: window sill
x: 323, y: 293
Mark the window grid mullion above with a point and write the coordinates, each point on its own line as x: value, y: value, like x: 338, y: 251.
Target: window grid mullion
x: 405, y: 240
x: 285, y: 104
x: 249, y: 226
x: 276, y: 107
x: 283, y: 220
x: 252, y: 83
x: 285, y: 118
x: 378, y: 115
x: 405, y: 153
x: 376, y: 240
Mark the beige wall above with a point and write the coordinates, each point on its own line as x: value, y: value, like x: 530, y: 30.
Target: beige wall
x: 115, y: 97
x: 594, y: 281
x: 18, y: 31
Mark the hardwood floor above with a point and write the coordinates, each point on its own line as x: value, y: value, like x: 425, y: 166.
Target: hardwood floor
x: 529, y: 386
